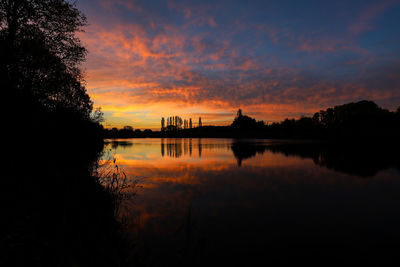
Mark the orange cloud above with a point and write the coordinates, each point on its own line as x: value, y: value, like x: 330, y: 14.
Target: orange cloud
x: 139, y: 72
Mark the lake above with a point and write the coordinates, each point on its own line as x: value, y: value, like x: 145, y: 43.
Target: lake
x: 202, y: 199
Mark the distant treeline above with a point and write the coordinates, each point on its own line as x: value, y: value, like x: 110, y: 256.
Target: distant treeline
x: 363, y: 119
x: 127, y: 132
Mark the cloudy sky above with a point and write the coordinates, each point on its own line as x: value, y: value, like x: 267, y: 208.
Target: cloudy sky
x: 273, y: 59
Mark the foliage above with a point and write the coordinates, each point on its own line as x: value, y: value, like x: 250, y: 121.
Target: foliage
x: 54, y: 208
x: 116, y: 184
x: 363, y: 118
x: 242, y: 122
x: 40, y: 54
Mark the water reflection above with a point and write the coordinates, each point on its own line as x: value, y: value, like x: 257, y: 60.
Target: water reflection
x: 364, y: 161
x: 358, y: 160
x: 178, y: 147
x: 119, y: 143
x: 242, y: 151
x: 240, y: 197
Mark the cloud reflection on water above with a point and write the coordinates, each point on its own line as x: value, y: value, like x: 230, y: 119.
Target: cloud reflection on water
x: 264, y: 193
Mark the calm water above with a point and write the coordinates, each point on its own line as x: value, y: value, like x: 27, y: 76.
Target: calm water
x: 208, y: 197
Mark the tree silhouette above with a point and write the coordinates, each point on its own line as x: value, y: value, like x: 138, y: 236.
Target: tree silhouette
x: 40, y: 54
x: 162, y: 124
x: 361, y: 119
x: 41, y: 80
x: 243, y: 122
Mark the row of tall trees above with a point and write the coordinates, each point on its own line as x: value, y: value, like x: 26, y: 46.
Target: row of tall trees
x: 174, y: 123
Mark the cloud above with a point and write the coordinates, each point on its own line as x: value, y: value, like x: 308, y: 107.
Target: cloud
x: 364, y: 21
x: 145, y: 62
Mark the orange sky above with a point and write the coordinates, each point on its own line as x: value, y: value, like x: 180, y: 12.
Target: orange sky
x: 156, y: 59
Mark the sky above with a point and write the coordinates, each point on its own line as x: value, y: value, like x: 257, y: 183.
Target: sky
x: 273, y: 59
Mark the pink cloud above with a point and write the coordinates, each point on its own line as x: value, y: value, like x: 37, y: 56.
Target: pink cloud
x: 364, y: 21
x: 131, y: 66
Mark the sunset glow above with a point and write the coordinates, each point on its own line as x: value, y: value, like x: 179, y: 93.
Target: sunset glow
x: 273, y: 59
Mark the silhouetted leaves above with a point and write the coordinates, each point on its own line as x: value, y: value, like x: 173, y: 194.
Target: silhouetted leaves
x: 56, y: 211
x: 40, y: 54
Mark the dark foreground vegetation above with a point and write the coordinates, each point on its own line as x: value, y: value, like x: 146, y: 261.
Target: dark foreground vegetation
x: 352, y: 121
x: 54, y: 209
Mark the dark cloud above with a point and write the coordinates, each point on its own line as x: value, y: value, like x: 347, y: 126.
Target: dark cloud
x: 227, y: 54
